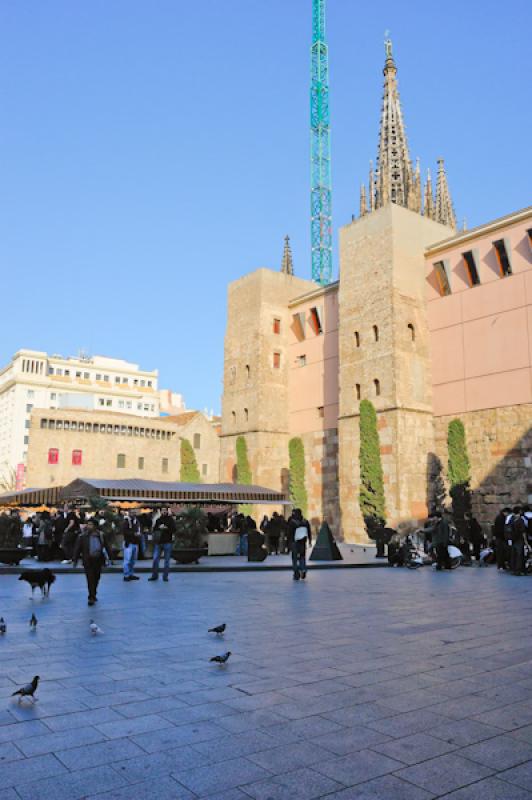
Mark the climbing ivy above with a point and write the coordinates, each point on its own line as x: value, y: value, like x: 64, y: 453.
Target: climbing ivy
x: 189, y: 472
x: 298, y: 491
x: 371, y: 496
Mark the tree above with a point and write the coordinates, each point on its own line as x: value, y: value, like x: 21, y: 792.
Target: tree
x: 371, y: 495
x: 297, y: 488
x: 189, y: 472
x: 243, y: 470
x: 459, y: 472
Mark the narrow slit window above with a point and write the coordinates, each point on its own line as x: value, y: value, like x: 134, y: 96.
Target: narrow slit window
x: 233, y: 417
x: 377, y: 385
x: 301, y: 361
x: 357, y: 338
x: 246, y: 414
x: 276, y: 360
x: 471, y: 266
x: 357, y: 389
x: 276, y: 325
x: 316, y: 320
x: 321, y: 412
x: 502, y: 257
x: 376, y: 333
x: 248, y: 372
x: 442, y: 278
x: 412, y: 332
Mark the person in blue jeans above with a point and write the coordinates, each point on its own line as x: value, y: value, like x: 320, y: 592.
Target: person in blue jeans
x: 300, y: 535
x: 164, y: 530
x: 131, y: 533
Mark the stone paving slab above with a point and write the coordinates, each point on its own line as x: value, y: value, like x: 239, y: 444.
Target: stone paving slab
x: 354, y: 685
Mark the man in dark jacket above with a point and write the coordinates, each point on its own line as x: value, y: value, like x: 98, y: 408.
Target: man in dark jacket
x: 131, y: 534
x: 440, y: 541
x: 519, y: 540
x: 94, y: 554
x: 163, y: 536
x: 501, y: 541
x: 299, y: 534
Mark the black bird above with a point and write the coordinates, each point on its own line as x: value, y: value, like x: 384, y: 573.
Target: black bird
x: 221, y: 660
x: 28, y: 690
x: 3, y: 626
x: 219, y: 629
x: 33, y: 622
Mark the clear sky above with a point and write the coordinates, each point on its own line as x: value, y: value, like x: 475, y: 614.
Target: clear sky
x: 151, y: 151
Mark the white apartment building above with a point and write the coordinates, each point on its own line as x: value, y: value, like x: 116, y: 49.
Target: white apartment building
x: 36, y: 380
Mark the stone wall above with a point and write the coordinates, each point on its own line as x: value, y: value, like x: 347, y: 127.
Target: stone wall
x: 321, y: 478
x: 499, y: 443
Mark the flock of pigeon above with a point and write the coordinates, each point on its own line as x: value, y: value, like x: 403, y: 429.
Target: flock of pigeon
x: 30, y: 688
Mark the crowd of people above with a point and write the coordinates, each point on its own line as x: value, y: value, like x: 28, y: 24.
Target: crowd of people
x: 508, y: 543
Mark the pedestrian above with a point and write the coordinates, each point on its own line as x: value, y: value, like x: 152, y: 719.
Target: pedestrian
x: 475, y: 534
x: 29, y: 530
x: 131, y: 534
x: 440, y: 541
x: 163, y: 536
x: 274, y: 533
x: 299, y: 534
x: 70, y: 534
x: 519, y: 540
x: 92, y: 548
x: 501, y: 543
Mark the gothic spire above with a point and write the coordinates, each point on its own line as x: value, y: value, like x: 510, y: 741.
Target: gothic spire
x: 444, y: 211
x: 394, y: 169
x: 287, y: 265
x: 363, y: 201
x: 428, y: 205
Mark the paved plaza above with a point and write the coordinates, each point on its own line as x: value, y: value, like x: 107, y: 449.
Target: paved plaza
x: 355, y: 684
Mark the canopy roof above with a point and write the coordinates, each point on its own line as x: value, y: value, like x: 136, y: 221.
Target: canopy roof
x: 146, y: 492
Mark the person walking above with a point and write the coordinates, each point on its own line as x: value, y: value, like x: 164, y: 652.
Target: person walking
x: 92, y: 548
x: 299, y: 534
x: 131, y: 534
x: 501, y: 543
x: 519, y: 531
x: 163, y: 534
x: 440, y: 541
x: 29, y: 530
x: 70, y: 534
x: 475, y: 534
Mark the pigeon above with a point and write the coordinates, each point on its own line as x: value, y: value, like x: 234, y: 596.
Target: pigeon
x: 94, y: 629
x: 28, y: 690
x: 3, y: 626
x: 33, y: 622
x: 219, y: 629
x: 221, y: 660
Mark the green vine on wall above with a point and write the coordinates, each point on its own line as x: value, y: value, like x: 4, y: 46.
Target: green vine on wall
x: 298, y: 491
x: 189, y: 472
x: 243, y: 469
x: 371, y: 496
x: 459, y: 471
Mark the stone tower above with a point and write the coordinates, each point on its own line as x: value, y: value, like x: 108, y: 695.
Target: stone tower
x: 255, y: 394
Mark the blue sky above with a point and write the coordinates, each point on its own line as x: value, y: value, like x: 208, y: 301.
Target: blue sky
x: 151, y: 152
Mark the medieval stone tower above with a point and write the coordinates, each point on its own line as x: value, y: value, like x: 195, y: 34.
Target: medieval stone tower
x: 383, y: 333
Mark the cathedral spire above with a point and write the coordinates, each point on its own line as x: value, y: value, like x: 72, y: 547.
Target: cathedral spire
x: 428, y: 204
x: 394, y: 170
x: 287, y: 265
x: 444, y: 211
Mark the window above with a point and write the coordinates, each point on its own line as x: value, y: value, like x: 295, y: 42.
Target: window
x: 78, y: 374
x: 108, y: 403
x: 51, y: 424
x: 26, y: 439
x: 149, y: 384
x: 117, y: 379
x: 299, y: 325
x: 143, y: 383
x: 28, y: 408
x: 315, y: 320
x: 197, y: 441
x: 106, y: 378
x: 141, y: 462
x: 377, y: 385
x: 53, y: 456
x: 86, y: 376
x: 301, y: 361
x: 412, y: 332
x: 233, y: 417
x: 442, y: 278
x: 357, y: 388
x: 471, y: 268
x: 276, y: 360
x: 27, y: 423
x: 76, y: 458
x: 276, y: 325
x: 376, y: 333
x: 321, y: 412
x: 204, y: 469
x: 50, y: 370
x: 30, y: 394
x: 101, y: 401
x: 98, y: 377
x: 53, y: 396
x: 165, y: 465
x: 125, y: 380
x: 357, y: 339
x: 44, y: 423
x: 248, y: 372
x: 502, y: 257
x: 246, y: 414
x: 121, y: 404
x: 121, y: 460
x: 129, y: 404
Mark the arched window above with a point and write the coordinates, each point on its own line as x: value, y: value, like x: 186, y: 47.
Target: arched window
x: 357, y: 388
x: 376, y: 333
x: 412, y: 332
x: 233, y: 417
x: 377, y: 385
x: 357, y: 338
x: 246, y: 414
x: 248, y: 371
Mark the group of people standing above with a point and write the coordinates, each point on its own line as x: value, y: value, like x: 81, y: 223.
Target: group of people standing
x: 512, y: 531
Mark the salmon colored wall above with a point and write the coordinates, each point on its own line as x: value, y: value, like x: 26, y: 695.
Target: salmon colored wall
x: 314, y: 385
x: 481, y: 336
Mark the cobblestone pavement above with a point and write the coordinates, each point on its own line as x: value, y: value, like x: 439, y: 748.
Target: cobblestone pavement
x: 354, y: 684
